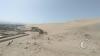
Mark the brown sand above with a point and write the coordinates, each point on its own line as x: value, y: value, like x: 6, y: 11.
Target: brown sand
x: 79, y: 38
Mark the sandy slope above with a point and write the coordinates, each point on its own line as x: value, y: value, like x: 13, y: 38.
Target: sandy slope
x: 79, y: 38
x: 55, y: 28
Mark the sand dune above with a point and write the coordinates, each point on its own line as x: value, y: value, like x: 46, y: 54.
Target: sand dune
x: 55, y: 28
x: 77, y: 38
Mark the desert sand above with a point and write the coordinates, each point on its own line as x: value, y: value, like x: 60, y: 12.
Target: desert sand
x: 76, y: 38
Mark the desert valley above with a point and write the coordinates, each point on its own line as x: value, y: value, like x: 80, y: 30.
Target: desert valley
x: 76, y: 38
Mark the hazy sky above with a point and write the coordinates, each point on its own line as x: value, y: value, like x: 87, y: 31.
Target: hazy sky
x: 43, y: 11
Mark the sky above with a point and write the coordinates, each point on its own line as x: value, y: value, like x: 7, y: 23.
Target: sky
x: 47, y: 11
